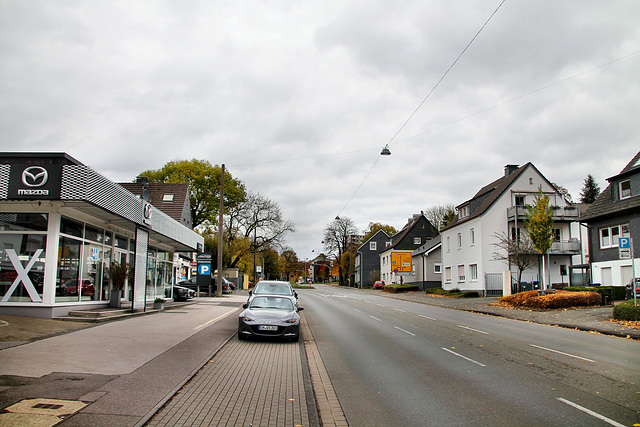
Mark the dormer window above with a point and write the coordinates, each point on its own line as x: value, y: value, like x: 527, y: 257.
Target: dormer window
x: 625, y: 189
x: 463, y: 212
x: 167, y: 197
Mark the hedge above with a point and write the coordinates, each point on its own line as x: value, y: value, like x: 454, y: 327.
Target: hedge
x: 452, y: 293
x: 394, y: 289
x: 626, y: 311
x: 560, y: 299
x: 617, y: 292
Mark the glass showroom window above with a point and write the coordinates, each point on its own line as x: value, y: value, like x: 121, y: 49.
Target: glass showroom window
x: 83, y: 264
x: 23, y: 240
x: 159, y: 273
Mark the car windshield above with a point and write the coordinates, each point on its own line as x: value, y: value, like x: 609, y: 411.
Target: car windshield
x: 271, y: 303
x: 273, y: 289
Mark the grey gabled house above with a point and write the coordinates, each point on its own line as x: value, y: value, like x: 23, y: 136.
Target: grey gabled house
x: 614, y: 214
x: 367, y: 259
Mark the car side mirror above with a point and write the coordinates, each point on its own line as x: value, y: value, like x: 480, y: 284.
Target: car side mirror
x: 245, y: 305
x: 296, y: 294
x: 300, y: 308
x: 250, y: 292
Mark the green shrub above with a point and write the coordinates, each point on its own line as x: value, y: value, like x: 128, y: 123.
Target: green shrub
x: 436, y: 291
x: 617, y: 292
x: 626, y: 311
x: 470, y: 294
x: 394, y: 289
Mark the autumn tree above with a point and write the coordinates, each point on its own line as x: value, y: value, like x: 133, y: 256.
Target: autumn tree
x: 254, y: 224
x: 337, y: 239
x: 540, y: 228
x: 204, y: 185
x: 517, y: 252
x: 374, y: 227
x: 289, y: 262
x: 439, y: 216
x: 590, y: 190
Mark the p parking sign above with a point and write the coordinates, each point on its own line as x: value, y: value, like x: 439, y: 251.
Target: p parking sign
x: 624, y: 248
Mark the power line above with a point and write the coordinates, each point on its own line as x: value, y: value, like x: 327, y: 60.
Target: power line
x: 424, y: 100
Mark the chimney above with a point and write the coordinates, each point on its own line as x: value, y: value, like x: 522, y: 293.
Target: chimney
x: 509, y: 169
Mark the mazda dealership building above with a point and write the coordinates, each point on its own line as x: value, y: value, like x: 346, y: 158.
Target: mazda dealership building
x: 62, y: 224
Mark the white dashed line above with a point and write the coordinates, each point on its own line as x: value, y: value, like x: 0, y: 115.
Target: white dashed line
x: 590, y: 412
x: 397, y: 309
x: 474, y: 330
x: 375, y: 318
x: 406, y: 332
x: 427, y: 317
x: 564, y: 354
x: 464, y: 357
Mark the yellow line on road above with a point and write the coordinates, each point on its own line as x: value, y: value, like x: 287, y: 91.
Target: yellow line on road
x: 222, y: 316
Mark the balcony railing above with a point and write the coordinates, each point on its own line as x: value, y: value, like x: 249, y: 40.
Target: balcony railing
x: 560, y: 213
x: 565, y: 247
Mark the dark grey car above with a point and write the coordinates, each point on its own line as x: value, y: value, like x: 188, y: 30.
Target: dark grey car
x: 270, y: 316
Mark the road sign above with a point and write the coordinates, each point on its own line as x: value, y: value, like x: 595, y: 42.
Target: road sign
x: 624, y: 243
x: 204, y: 269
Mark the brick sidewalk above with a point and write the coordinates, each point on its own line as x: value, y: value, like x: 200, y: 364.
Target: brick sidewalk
x: 247, y: 383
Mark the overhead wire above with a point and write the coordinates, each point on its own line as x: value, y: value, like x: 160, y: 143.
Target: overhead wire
x: 423, y: 101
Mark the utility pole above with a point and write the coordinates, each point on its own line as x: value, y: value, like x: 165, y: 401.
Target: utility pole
x: 220, y: 233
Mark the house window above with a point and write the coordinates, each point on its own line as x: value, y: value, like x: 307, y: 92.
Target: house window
x: 463, y: 212
x: 448, y: 244
x: 609, y: 235
x: 473, y: 270
x: 472, y: 237
x: 372, y: 246
x: 459, y: 240
x: 625, y: 189
x: 515, y: 233
x: 556, y: 234
x: 447, y: 275
x: 167, y: 197
x: 520, y: 200
x: 461, y: 273
x: 416, y: 240
x: 437, y: 268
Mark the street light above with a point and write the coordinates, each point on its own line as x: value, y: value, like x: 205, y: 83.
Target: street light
x: 385, y: 151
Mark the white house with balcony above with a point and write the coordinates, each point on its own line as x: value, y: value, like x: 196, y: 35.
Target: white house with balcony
x: 468, y: 241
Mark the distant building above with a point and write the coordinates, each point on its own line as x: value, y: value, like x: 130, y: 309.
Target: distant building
x: 367, y: 261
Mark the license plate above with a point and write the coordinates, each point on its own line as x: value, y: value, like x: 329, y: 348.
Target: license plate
x: 267, y: 328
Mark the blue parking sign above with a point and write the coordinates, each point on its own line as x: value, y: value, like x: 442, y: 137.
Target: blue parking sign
x: 204, y: 269
x: 624, y: 243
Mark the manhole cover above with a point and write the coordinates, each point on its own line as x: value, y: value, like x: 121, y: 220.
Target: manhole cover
x: 46, y: 407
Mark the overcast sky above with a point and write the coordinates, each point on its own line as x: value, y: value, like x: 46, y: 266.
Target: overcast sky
x: 298, y: 98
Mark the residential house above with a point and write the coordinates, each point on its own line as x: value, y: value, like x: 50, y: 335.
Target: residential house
x: 615, y: 214
x: 427, y: 264
x: 414, y: 234
x: 468, y: 241
x: 367, y: 261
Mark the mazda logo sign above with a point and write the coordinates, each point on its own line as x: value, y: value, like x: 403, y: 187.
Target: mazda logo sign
x: 35, y: 176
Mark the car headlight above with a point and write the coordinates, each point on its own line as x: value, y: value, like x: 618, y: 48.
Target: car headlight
x: 246, y: 318
x: 290, y: 320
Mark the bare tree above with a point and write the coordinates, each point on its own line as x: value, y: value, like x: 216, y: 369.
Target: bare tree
x: 518, y: 252
x: 254, y: 225
x: 337, y: 239
x: 440, y: 215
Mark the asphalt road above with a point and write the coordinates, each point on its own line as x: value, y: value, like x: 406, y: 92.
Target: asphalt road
x: 395, y: 362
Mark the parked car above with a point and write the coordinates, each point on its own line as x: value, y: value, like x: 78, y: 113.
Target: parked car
x: 379, y: 284
x: 630, y: 288
x: 270, y: 316
x: 227, y: 286
x: 180, y: 293
x: 70, y: 287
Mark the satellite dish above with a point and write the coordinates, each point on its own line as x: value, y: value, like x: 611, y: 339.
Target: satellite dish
x: 145, y: 195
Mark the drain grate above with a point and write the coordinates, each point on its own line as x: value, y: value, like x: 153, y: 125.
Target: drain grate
x: 47, y: 406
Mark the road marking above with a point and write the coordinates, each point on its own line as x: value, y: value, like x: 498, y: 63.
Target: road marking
x: 355, y: 309
x: 375, y: 318
x: 406, y: 332
x: 474, y: 330
x: 427, y: 317
x: 464, y: 357
x: 397, y: 309
x: 565, y: 354
x: 3, y: 323
x: 590, y: 412
x: 379, y: 305
x: 222, y: 316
